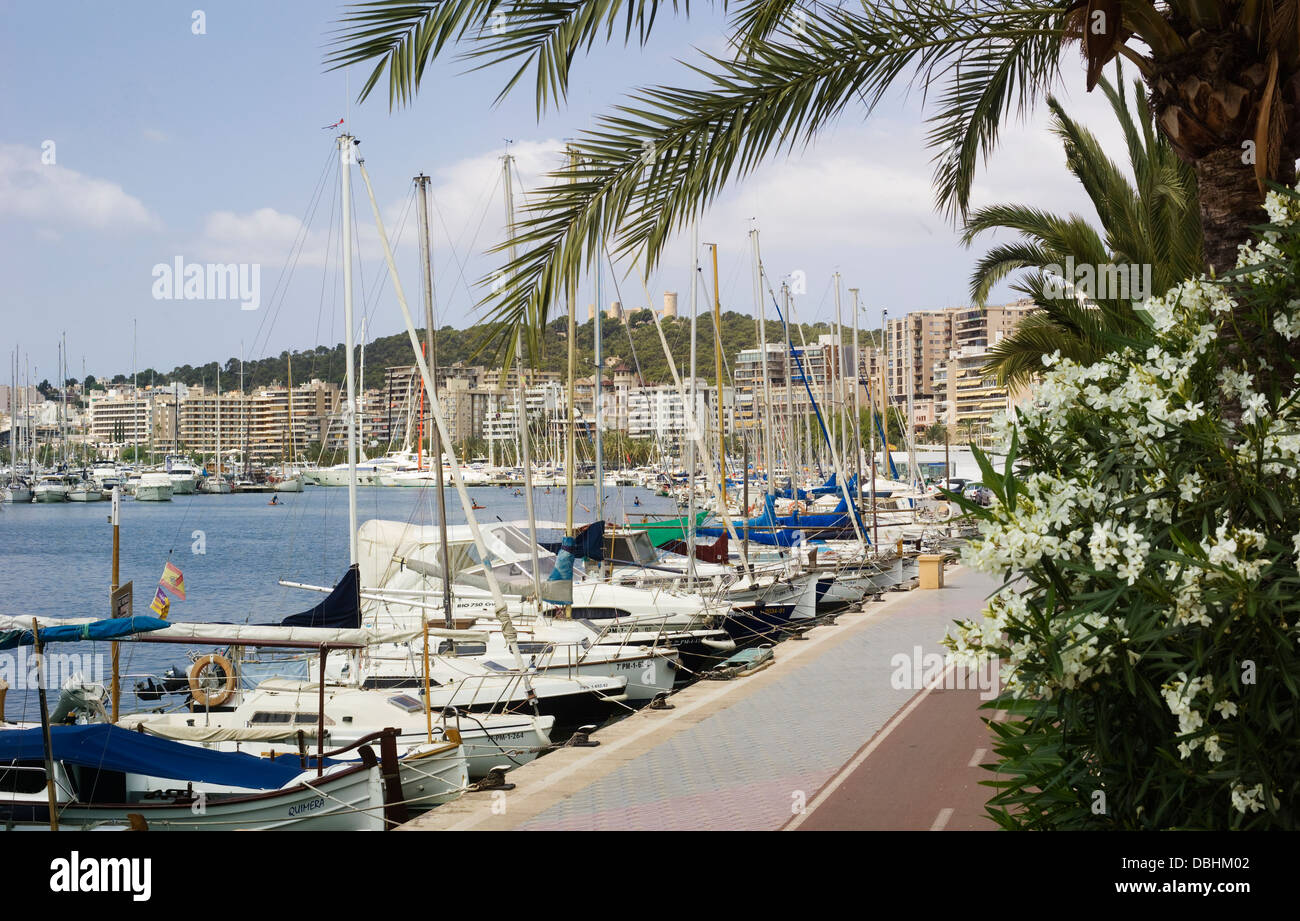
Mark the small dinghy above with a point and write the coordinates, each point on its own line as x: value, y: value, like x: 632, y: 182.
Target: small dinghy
x: 744, y: 663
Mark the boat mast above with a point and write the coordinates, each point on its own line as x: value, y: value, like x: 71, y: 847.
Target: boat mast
x: 435, y: 448
x: 345, y: 144
x: 695, y: 405
x: 857, y: 406
x: 293, y: 448
x: 63, y: 398
x: 792, y: 459
x: 717, y: 362
x: 218, y: 428
x: 135, y: 389
x: 885, y: 456
x: 13, y: 417
x: 599, y: 391
x: 760, y: 314
x: 521, y: 423
x: 910, y: 434
x: 571, y: 442
x: 361, y: 397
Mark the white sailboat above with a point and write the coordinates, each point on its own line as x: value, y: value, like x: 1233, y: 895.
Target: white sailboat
x: 290, y: 482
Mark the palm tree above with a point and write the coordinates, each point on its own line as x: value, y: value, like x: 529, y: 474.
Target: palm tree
x: 1223, y: 77
x: 1154, y: 223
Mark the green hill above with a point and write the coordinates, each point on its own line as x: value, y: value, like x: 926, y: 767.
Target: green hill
x: 633, y: 340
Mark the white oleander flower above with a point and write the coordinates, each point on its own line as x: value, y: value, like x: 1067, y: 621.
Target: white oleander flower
x: 1251, y: 800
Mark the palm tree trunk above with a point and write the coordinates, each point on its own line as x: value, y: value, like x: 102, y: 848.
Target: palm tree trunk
x: 1230, y: 203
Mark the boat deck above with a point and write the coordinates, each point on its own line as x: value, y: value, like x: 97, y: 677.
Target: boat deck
x: 821, y: 739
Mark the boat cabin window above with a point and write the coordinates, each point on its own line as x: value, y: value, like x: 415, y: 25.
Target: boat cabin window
x: 534, y: 649
x: 461, y: 648
x: 634, y: 548
x: 22, y: 778
x: 263, y: 719
x: 580, y: 613
x: 273, y: 718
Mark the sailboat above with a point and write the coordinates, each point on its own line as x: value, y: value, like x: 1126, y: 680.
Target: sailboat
x: 290, y: 482
x: 15, y: 489
x: 216, y: 484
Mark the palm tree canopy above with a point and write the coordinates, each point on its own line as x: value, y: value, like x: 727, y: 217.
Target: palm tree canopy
x: 1149, y: 221
x: 1218, y: 71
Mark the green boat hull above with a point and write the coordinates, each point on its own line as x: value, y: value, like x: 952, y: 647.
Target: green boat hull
x: 668, y: 529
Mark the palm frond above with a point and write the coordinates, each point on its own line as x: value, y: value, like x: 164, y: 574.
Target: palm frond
x: 403, y: 37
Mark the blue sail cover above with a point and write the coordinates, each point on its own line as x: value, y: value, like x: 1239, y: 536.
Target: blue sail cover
x: 589, y: 542
x: 100, y: 745
x: 827, y: 488
x: 340, y: 610
x: 765, y: 528
x: 839, y: 518
x: 558, y: 588
x: 110, y: 629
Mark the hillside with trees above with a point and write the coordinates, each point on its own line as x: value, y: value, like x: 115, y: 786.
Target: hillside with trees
x: 633, y: 340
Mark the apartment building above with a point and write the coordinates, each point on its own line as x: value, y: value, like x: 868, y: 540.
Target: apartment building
x: 118, y: 418
x: 660, y: 413
x: 940, y: 354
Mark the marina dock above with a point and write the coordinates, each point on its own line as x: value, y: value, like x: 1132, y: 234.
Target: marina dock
x: 821, y: 739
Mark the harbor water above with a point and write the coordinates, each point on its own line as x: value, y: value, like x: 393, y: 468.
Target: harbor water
x: 56, y: 560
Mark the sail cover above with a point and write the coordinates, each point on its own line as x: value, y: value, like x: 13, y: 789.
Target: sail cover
x: 341, y: 608
x: 100, y: 745
x: 587, y: 542
x: 111, y: 629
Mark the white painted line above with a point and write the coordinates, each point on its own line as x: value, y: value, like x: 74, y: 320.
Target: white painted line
x: 978, y: 757
x: 945, y: 815
x: 862, y: 756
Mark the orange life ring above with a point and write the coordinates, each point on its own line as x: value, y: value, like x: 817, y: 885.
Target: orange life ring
x: 203, y: 696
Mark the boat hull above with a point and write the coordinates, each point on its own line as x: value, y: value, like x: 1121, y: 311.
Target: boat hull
x: 350, y: 800
x: 17, y: 494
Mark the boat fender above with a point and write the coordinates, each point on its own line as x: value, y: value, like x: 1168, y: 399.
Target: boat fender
x: 204, y: 697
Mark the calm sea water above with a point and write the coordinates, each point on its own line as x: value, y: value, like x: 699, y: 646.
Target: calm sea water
x: 56, y: 559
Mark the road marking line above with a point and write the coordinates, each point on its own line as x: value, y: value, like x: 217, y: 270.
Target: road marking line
x: 978, y: 757
x: 862, y: 756
x: 945, y: 815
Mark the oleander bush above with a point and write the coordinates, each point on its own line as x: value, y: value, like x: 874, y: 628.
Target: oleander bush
x: 1147, y: 531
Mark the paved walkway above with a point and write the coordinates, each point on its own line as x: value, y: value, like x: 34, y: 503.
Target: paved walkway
x: 823, y: 739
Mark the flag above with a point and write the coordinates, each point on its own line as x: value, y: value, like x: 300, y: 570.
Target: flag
x: 173, y: 580
x: 161, y: 603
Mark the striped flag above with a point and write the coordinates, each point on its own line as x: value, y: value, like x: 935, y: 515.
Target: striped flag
x: 161, y: 603
x: 173, y: 581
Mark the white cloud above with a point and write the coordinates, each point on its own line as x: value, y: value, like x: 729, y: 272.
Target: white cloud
x: 264, y: 236
x: 467, y: 217
x: 50, y: 195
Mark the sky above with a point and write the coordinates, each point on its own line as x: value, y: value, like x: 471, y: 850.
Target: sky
x: 136, y: 134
